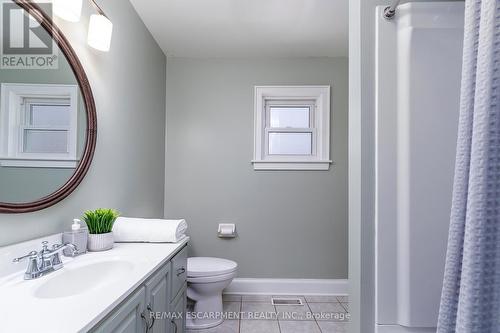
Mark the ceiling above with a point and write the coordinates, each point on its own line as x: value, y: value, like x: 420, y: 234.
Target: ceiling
x: 247, y: 28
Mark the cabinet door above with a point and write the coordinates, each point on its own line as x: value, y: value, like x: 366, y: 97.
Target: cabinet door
x: 128, y: 317
x: 178, y: 311
x: 157, y: 296
x: 179, y: 272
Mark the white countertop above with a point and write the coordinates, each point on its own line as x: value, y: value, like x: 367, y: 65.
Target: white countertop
x: 22, y: 311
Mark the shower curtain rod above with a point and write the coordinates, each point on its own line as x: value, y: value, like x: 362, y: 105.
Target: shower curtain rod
x: 390, y: 11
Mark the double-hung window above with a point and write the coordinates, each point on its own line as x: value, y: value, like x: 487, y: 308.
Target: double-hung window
x: 38, y: 125
x: 46, y: 126
x: 292, y: 128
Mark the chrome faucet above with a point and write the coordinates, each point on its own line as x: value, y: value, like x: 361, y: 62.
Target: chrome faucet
x: 46, y: 261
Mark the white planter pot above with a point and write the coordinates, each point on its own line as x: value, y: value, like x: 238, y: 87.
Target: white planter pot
x: 100, y: 242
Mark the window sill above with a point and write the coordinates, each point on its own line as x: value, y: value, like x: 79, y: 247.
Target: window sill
x: 37, y: 163
x: 292, y: 165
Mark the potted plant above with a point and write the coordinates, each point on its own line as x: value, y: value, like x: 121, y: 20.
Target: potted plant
x: 100, y: 224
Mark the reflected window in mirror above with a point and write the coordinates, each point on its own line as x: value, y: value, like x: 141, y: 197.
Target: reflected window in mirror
x: 40, y: 125
x: 48, y: 121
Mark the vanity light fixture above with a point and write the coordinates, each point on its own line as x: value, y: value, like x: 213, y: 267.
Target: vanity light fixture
x: 100, y: 30
x: 100, y: 26
x: 69, y: 10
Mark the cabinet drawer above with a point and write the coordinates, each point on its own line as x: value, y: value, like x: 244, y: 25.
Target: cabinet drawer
x: 179, y: 272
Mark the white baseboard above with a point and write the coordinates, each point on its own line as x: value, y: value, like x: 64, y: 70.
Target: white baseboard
x: 402, y: 329
x: 245, y: 286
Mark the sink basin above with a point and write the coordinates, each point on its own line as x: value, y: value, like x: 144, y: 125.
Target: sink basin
x: 78, y: 280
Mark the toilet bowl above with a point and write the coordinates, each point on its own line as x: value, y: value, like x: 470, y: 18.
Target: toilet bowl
x: 206, y: 278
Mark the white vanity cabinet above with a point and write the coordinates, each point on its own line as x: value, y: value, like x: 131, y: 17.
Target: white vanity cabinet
x: 156, y: 306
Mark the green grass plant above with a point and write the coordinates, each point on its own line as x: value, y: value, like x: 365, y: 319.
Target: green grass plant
x: 101, y: 220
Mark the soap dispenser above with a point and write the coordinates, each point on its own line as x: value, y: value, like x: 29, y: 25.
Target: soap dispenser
x: 78, y: 236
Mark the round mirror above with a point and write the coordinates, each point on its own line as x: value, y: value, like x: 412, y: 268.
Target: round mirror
x: 47, y: 112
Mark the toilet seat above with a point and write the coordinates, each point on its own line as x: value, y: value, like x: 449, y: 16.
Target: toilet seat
x: 202, y: 267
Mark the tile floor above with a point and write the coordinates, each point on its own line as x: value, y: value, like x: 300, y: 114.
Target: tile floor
x: 256, y: 314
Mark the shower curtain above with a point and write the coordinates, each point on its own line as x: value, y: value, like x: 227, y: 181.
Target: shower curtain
x: 470, y: 300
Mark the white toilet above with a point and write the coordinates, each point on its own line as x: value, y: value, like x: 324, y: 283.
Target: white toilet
x: 206, y: 278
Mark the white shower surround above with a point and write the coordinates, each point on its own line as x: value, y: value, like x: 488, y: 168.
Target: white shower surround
x: 418, y: 67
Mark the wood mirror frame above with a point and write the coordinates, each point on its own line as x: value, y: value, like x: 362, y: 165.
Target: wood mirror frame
x: 88, y: 99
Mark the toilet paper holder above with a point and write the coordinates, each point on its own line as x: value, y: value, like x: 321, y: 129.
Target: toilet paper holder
x: 226, y: 230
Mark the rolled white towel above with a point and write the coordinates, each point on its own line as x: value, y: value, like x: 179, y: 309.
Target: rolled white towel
x: 128, y: 229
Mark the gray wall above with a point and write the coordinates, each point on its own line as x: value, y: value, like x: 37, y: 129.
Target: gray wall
x: 291, y: 224
x: 128, y: 168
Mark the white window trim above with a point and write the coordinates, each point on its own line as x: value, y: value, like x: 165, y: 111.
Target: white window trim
x: 321, y: 118
x: 10, y: 122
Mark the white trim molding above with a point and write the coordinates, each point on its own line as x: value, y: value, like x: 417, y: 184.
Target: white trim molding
x: 248, y: 286
x: 317, y: 100
x: 14, y: 121
x: 38, y: 163
x: 403, y: 329
x: 291, y: 165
